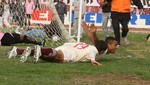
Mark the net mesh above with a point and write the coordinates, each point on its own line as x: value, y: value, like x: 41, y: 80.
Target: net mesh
x: 43, y: 23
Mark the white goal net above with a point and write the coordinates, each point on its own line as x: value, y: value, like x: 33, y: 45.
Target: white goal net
x: 43, y: 23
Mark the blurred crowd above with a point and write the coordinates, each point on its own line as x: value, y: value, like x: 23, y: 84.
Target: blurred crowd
x: 17, y: 12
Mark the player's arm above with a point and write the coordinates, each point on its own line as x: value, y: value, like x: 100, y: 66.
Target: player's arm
x: 95, y: 63
x: 92, y: 57
x: 138, y: 4
x: 90, y: 31
x: 103, y: 2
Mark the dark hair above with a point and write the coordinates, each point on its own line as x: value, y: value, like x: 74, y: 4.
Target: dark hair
x: 110, y: 40
x: 147, y: 36
x: 100, y: 45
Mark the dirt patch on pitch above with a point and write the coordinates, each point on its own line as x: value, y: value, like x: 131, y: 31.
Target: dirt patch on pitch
x: 109, y: 80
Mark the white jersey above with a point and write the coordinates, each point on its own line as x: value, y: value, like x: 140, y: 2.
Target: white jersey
x: 74, y: 52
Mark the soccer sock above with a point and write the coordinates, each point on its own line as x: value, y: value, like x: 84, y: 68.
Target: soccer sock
x: 48, y: 51
x: 49, y: 54
x: 45, y: 51
x: 20, y: 51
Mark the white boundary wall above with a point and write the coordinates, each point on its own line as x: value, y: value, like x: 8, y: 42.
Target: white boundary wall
x: 138, y: 20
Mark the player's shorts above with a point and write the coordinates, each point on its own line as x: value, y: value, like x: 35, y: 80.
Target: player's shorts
x: 10, y: 38
x: 16, y: 37
x: 69, y: 53
x: 7, y: 39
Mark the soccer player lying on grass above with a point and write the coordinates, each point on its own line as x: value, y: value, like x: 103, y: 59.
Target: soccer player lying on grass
x: 7, y: 39
x: 70, y: 52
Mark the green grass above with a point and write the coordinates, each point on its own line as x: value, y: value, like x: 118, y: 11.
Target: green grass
x: 129, y: 66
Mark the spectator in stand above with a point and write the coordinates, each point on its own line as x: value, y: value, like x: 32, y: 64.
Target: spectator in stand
x: 6, y: 13
x: 37, y: 4
x: 29, y: 7
x: 13, y: 11
x: 106, y: 8
x: 1, y: 13
x: 133, y: 10
x: 20, y: 10
x: 61, y: 8
x: 120, y: 14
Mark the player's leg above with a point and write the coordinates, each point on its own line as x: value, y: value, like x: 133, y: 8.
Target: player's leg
x: 61, y: 18
x: 12, y: 52
x: 42, y: 51
x: 25, y: 54
x: 6, y: 15
x: 21, y: 21
x: 25, y: 39
x: 105, y: 17
x: 111, y: 27
x: 125, y: 31
x: 20, y: 51
x: 26, y: 21
x: 48, y: 51
x: 59, y: 57
x: 75, y: 27
x: 29, y: 18
x: 7, y: 39
x: 116, y: 27
x: 47, y: 54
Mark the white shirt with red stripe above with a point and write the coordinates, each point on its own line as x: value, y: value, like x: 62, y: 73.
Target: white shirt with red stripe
x: 74, y: 52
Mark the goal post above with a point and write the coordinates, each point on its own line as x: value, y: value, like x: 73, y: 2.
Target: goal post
x: 64, y: 31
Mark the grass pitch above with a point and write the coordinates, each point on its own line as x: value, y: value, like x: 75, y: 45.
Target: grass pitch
x: 129, y: 66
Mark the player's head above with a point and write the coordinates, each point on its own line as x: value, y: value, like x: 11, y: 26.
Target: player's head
x: 112, y: 44
x: 148, y: 38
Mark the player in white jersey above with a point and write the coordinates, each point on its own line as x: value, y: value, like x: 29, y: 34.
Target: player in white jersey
x: 74, y: 52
